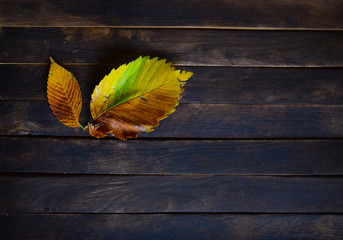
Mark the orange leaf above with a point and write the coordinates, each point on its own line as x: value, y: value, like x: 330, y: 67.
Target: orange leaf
x: 64, y: 95
x: 135, y: 97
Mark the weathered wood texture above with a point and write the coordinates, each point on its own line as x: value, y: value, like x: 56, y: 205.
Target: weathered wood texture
x: 154, y: 194
x: 235, y: 14
x: 208, y: 85
x: 171, y: 226
x: 91, y: 156
x: 195, y: 121
x: 181, y: 46
x: 253, y: 151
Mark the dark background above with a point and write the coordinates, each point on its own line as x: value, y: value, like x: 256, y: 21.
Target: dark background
x: 253, y: 151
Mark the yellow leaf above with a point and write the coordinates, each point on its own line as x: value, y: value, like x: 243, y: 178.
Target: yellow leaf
x: 135, y: 97
x: 64, y: 95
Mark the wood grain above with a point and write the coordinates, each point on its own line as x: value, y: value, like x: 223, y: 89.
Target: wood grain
x: 154, y: 194
x: 253, y: 151
x: 209, y: 84
x: 171, y: 226
x: 90, y: 156
x: 194, y: 121
x: 236, y: 14
x: 195, y: 47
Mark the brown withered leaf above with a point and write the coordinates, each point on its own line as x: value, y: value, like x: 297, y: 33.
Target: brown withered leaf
x: 135, y: 97
x: 64, y: 95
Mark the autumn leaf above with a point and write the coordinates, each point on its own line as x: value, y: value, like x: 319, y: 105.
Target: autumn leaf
x: 64, y: 95
x: 131, y: 99
x: 135, y: 97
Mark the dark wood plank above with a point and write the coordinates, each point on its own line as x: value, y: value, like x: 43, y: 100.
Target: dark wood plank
x: 194, y: 121
x: 209, y: 84
x: 154, y: 194
x: 301, y: 157
x: 181, y: 46
x: 237, y: 14
x: 171, y: 226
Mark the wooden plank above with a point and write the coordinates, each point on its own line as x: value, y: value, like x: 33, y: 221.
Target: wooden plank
x: 154, y: 194
x: 301, y: 157
x: 171, y: 226
x: 209, y: 84
x: 194, y: 121
x: 181, y: 46
x: 230, y: 13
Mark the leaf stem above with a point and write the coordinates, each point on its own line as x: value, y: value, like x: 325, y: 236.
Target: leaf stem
x: 84, y: 128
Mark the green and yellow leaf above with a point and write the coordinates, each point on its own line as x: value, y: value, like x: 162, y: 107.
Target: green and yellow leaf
x: 64, y: 95
x: 135, y: 97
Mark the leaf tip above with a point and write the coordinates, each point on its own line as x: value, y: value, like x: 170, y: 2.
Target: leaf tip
x: 184, y: 76
x: 51, y: 60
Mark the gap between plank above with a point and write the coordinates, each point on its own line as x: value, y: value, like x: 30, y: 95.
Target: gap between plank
x: 171, y: 213
x: 86, y: 101
x: 109, y: 138
x: 65, y: 174
x: 187, y: 65
x: 180, y: 27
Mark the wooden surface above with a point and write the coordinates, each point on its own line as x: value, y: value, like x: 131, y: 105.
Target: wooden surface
x: 228, y: 14
x: 253, y: 151
x: 185, y: 47
x: 172, y: 226
x: 156, y: 194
